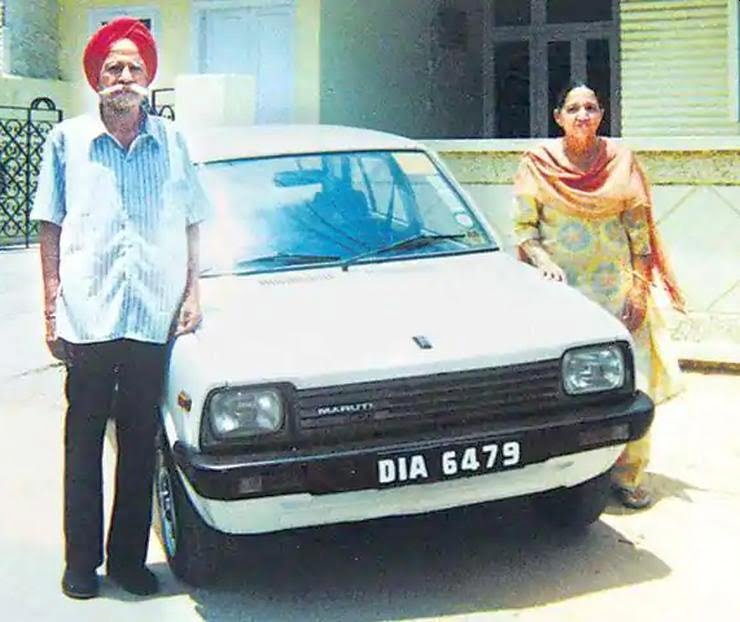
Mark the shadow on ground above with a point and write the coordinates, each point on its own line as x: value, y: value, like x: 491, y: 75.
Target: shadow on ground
x: 168, y: 586
x: 661, y: 487
x: 463, y: 561
x: 664, y: 487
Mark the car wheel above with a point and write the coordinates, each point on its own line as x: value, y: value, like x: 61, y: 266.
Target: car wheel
x: 194, y: 550
x: 576, y: 507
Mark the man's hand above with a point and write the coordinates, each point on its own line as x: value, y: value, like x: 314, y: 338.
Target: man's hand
x: 50, y: 333
x: 635, y: 307
x: 190, y: 316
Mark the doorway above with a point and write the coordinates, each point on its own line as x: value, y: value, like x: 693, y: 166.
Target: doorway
x: 533, y: 48
x: 255, y: 38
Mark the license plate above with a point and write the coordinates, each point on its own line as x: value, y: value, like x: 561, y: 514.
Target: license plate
x: 441, y: 463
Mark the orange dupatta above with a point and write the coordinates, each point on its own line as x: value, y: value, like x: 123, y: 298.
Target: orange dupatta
x: 614, y: 183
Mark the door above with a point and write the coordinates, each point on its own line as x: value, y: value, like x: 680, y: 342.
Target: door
x: 533, y: 48
x: 257, y: 41
x: 581, y: 60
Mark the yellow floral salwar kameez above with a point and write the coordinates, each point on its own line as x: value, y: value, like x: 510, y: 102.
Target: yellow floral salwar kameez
x: 595, y: 252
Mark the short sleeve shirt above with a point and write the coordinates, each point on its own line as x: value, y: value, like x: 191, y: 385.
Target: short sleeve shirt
x: 124, y: 216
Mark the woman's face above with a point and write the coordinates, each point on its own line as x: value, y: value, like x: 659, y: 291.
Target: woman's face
x: 581, y: 114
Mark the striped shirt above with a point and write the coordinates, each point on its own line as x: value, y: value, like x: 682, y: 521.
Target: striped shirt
x: 123, y: 214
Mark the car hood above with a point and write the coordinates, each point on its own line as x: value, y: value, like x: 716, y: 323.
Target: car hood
x: 321, y: 327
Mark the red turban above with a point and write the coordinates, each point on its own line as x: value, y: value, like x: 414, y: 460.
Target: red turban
x: 105, y: 38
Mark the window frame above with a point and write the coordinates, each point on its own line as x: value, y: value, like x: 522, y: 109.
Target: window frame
x: 200, y: 11
x: 537, y: 34
x: 95, y: 17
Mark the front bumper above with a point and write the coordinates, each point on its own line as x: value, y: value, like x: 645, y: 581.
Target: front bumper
x: 354, y: 466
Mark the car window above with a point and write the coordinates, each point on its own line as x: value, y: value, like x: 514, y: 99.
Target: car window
x: 373, y: 177
x: 270, y: 213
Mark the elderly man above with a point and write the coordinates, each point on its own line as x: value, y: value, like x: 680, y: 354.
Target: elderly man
x: 118, y: 204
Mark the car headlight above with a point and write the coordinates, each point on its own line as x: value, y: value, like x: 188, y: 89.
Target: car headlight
x: 592, y: 369
x: 236, y: 413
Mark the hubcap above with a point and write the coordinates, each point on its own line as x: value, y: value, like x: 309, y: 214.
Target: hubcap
x: 167, y: 516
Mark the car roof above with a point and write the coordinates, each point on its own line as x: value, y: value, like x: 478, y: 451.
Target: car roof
x: 258, y: 141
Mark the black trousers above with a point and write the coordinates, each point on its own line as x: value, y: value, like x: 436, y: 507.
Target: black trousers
x: 122, y: 379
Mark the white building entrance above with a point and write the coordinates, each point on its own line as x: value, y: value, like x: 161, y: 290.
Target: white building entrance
x: 253, y: 37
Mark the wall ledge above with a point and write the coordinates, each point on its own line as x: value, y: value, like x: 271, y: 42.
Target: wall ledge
x: 670, y: 161
x: 665, y: 144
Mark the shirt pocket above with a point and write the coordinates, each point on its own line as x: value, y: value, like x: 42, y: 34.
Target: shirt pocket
x: 94, y: 207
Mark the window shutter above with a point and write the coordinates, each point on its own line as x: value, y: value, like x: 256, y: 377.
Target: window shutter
x: 675, y: 67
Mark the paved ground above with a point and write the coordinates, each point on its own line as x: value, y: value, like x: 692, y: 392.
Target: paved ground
x: 676, y: 561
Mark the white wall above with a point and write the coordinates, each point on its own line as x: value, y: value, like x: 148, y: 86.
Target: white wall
x: 16, y: 91
x: 379, y: 69
x: 31, y: 46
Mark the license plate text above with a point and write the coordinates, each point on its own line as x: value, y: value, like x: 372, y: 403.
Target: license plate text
x: 449, y: 463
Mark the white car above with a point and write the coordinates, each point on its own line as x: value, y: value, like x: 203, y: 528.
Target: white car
x: 368, y: 351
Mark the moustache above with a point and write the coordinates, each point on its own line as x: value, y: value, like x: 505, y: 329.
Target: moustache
x: 130, y: 88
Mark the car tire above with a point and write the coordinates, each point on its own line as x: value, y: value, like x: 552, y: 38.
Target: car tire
x: 195, y: 551
x: 576, y: 507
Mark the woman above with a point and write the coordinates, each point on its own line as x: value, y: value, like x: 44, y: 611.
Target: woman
x: 583, y: 216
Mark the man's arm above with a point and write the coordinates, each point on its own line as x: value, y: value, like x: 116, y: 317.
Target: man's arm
x: 190, y: 312
x: 49, y: 238
x: 49, y: 210
x: 196, y: 211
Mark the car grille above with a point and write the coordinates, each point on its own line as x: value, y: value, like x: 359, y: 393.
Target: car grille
x: 438, y: 399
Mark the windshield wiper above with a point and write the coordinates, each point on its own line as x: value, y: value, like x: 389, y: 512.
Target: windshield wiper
x: 415, y: 241
x: 280, y: 258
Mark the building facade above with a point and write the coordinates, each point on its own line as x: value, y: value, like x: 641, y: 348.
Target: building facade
x: 424, y: 68
x: 476, y: 78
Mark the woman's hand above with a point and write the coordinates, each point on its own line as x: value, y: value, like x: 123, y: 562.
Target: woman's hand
x: 635, y: 307
x: 541, y: 259
x: 551, y: 271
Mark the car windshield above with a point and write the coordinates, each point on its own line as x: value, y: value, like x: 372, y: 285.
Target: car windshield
x: 335, y: 208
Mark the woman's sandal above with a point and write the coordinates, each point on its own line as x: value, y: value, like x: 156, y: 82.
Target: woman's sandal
x: 634, y: 498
